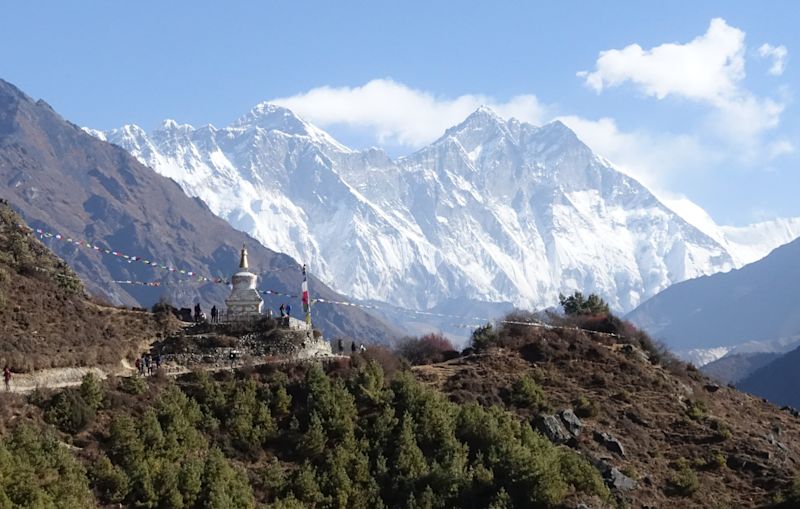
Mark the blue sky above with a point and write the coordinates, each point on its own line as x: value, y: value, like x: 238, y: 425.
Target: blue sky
x: 721, y: 129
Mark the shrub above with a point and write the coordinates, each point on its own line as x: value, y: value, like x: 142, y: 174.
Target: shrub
x: 684, y: 481
x: 69, y: 412
x: 526, y: 393
x: 697, y: 410
x: 717, y: 460
x: 584, y: 407
x: 133, y: 385
x: 110, y: 481
x: 91, y: 391
x: 483, y: 337
x: 577, y: 304
x: 428, y: 349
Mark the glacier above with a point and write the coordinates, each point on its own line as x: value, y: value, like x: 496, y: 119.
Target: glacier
x: 495, y: 210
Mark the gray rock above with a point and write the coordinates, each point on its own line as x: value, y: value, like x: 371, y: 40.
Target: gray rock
x: 572, y: 422
x: 619, y: 481
x: 551, y: 427
x: 613, y: 477
x: 609, y: 442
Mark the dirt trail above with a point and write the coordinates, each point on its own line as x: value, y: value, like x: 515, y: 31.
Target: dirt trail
x: 56, y: 378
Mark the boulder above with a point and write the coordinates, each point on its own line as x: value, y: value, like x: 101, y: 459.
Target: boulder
x: 619, y: 481
x: 614, y: 478
x: 609, y: 442
x: 572, y: 422
x: 551, y: 427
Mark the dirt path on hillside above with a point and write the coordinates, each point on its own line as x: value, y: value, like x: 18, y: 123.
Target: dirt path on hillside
x: 56, y: 378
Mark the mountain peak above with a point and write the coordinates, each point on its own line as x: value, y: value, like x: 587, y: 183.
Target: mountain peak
x: 273, y: 117
x: 484, y: 114
x: 479, y: 127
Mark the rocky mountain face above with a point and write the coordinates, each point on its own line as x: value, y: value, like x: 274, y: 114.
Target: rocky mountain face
x: 493, y: 211
x: 63, y: 180
x: 753, y: 304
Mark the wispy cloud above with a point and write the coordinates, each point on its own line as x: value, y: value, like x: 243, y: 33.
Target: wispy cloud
x: 778, y: 54
x: 401, y: 115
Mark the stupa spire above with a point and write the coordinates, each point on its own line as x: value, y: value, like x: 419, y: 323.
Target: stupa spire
x: 243, y: 259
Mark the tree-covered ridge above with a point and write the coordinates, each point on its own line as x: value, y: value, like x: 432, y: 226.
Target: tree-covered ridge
x: 354, y: 440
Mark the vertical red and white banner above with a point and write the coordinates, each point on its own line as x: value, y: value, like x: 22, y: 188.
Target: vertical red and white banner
x: 304, y: 297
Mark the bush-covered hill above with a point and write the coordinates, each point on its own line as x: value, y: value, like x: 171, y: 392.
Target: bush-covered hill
x: 486, y: 429
x: 47, y: 320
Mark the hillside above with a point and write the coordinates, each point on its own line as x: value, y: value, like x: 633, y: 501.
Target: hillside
x: 47, y: 321
x: 777, y: 381
x: 617, y: 430
x: 754, y: 303
x: 65, y: 181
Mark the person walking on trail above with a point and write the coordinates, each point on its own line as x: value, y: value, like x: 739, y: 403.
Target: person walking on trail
x: 158, y: 361
x: 282, y: 310
x: 147, y: 363
x: 138, y: 365
x: 7, y: 378
x: 353, y: 348
x: 288, y: 310
x: 341, y: 347
x: 214, y: 314
x: 197, y: 312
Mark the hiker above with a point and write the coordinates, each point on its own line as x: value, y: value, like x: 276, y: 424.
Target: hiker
x: 158, y: 361
x: 138, y: 365
x: 7, y: 377
x: 214, y: 314
x: 341, y: 347
x: 353, y: 348
x: 288, y: 310
x: 362, y: 348
x: 147, y: 363
x: 197, y: 312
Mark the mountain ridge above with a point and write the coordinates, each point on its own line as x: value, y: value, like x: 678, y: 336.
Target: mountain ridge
x: 405, y: 223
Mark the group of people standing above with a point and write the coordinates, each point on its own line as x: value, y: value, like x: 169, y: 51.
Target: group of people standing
x: 148, y: 364
x: 361, y: 347
x: 199, y: 316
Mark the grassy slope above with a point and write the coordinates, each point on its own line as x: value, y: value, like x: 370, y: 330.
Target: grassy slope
x: 47, y: 321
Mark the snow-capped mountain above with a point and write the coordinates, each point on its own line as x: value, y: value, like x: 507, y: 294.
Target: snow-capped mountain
x: 495, y: 210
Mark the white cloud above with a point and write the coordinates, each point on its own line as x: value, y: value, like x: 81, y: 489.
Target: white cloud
x: 398, y: 114
x: 707, y: 68
x: 654, y: 159
x: 778, y: 55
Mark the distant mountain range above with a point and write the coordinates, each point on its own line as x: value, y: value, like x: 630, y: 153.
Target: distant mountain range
x: 63, y: 180
x: 777, y: 381
x: 748, y: 310
x: 493, y: 211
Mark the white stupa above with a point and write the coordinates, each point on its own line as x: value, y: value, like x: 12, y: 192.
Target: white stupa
x: 244, y: 300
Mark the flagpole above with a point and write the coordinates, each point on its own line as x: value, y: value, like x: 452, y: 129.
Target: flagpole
x: 305, y: 298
